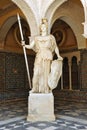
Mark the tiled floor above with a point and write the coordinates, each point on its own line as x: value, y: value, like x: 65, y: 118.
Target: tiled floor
x: 59, y: 124
x: 77, y: 110
x: 13, y: 110
x: 69, y: 116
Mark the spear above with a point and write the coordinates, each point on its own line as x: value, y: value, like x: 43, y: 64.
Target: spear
x: 24, y: 50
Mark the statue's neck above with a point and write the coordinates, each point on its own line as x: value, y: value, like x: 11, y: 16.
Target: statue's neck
x: 44, y: 34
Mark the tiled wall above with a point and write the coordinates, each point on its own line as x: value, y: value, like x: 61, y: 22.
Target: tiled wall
x: 13, y: 76
x: 83, y: 70
x: 71, y: 96
x: 14, y: 83
x: 2, y: 71
x: 79, y: 95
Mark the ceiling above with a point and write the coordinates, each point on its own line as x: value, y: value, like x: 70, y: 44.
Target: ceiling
x: 4, y: 4
x: 78, y: 2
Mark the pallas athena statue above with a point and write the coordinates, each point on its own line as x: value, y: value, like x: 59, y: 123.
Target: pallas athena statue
x: 46, y: 71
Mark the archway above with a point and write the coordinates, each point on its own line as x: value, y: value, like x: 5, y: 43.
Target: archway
x: 66, y: 14
x: 13, y: 76
x: 51, y: 10
x: 6, y: 26
x: 28, y: 13
x: 67, y: 43
x: 84, y: 3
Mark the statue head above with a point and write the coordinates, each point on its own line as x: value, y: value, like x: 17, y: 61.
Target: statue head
x: 44, y: 26
x: 44, y: 20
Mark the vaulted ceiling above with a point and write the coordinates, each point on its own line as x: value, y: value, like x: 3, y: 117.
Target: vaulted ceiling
x: 8, y: 4
x: 7, y: 7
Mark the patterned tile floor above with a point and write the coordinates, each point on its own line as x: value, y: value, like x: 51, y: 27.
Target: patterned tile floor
x: 77, y: 110
x: 8, y: 111
x: 59, y: 124
x: 69, y: 116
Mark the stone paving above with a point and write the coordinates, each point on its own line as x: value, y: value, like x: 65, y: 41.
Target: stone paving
x: 69, y: 116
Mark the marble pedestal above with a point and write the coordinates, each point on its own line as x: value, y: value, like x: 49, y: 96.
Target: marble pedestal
x: 41, y: 107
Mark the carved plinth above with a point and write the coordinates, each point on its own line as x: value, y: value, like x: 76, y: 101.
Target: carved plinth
x: 41, y: 107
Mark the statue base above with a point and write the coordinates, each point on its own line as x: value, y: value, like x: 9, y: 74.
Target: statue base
x: 41, y: 107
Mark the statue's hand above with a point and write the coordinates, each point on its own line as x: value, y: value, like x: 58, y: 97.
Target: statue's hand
x: 23, y: 43
x: 60, y: 58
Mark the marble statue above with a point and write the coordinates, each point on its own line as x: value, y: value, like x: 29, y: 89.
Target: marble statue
x: 45, y: 69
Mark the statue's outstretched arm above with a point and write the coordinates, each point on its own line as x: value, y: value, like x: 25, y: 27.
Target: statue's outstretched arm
x: 29, y: 46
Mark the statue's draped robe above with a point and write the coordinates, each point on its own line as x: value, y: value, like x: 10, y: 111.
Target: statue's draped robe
x: 44, y: 47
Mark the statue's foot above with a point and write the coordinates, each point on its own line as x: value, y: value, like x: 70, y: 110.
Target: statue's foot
x: 33, y: 91
x: 47, y: 91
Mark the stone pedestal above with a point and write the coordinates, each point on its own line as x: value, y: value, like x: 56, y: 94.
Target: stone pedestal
x: 41, y: 107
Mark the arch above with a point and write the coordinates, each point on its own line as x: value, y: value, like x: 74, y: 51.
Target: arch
x: 66, y: 14
x: 51, y: 9
x: 84, y: 3
x: 76, y: 29
x: 74, y: 59
x: 28, y: 13
x: 6, y: 26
